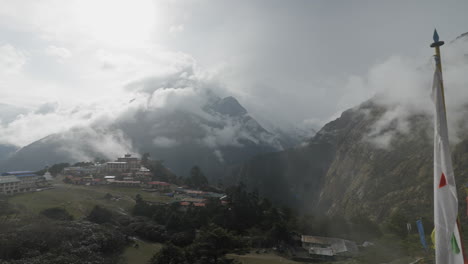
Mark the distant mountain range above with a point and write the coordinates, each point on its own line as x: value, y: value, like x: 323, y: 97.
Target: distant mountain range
x: 221, y: 134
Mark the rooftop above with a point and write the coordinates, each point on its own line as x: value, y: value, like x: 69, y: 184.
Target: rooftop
x: 8, y: 179
x: 132, y: 182
x: 17, y: 173
x: 159, y: 183
x: 20, y: 175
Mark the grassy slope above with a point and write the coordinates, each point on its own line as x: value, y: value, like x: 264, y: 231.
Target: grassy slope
x: 142, y: 254
x: 79, y: 200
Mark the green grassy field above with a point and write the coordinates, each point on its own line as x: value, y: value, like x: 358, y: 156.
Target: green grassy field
x: 78, y: 200
x: 142, y: 254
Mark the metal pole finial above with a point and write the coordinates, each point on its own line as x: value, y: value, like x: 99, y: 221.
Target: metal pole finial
x: 436, y: 43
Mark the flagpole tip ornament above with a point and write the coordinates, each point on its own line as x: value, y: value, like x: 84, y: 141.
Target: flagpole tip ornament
x: 436, y: 43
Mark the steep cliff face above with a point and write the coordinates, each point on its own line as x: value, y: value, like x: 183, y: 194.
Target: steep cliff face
x: 342, y: 171
x: 297, y: 176
x: 365, y: 179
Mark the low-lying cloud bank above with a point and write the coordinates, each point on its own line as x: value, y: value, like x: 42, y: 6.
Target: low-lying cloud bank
x: 403, y: 86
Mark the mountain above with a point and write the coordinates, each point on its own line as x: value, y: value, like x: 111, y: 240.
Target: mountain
x: 375, y: 160
x: 6, y: 151
x: 217, y: 134
x: 342, y: 171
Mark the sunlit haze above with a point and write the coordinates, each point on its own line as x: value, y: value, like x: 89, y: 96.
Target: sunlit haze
x: 301, y: 62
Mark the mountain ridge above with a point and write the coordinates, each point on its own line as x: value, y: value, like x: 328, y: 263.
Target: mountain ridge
x: 220, y: 134
x: 343, y: 173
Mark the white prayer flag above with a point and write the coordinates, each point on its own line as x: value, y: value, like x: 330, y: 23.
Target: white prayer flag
x: 447, y: 235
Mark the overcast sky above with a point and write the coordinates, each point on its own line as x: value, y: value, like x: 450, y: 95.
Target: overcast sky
x: 286, y: 61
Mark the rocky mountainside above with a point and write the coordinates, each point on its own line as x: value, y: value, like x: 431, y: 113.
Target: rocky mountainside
x: 342, y: 171
x: 219, y: 134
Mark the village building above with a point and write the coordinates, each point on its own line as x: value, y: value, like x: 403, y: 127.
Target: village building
x: 212, y: 195
x: 158, y: 185
x: 126, y: 164
x: 74, y: 179
x: 128, y: 178
x: 193, y: 200
x: 28, y: 180
x: 97, y: 181
x: 9, y: 184
x: 328, y: 247
x: 116, y: 167
x: 88, y: 179
x: 133, y: 163
x: 47, y: 176
x: 191, y: 193
x: 80, y: 171
x: 126, y: 183
x: 109, y: 179
x: 143, y: 173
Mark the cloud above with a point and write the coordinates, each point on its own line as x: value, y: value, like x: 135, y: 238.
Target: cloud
x: 219, y: 155
x: 164, y: 142
x: 227, y: 135
x: 47, y: 108
x: 302, y: 78
x: 176, y: 29
x: 181, y: 78
x: 9, y: 113
x: 88, y: 143
x: 59, y: 52
x: 35, y: 125
x: 402, y: 85
x: 12, y: 60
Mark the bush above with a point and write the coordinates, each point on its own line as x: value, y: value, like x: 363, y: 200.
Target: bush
x: 99, y: 215
x: 169, y: 254
x: 57, y: 213
x: 183, y: 239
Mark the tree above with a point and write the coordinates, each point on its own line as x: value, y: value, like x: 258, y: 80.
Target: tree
x: 145, y: 158
x: 197, y: 179
x: 83, y: 164
x: 169, y: 254
x: 159, y: 171
x: 397, y: 224
x: 54, y: 169
x: 213, y: 243
x: 279, y: 233
x: 100, y: 215
x: 57, y: 213
x: 363, y: 228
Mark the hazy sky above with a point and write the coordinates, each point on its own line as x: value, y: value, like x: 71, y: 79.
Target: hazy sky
x: 295, y: 61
